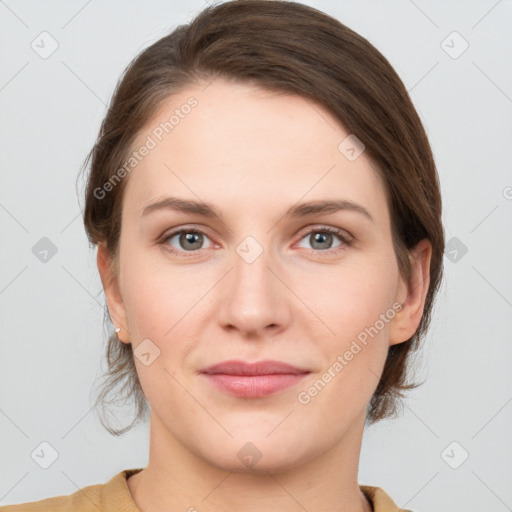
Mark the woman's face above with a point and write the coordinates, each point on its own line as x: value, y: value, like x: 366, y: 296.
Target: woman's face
x: 260, y: 280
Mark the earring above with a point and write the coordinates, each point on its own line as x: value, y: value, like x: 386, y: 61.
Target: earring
x: 118, y: 329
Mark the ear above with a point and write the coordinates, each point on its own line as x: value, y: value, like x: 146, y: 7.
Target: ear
x: 412, y: 295
x: 112, y: 292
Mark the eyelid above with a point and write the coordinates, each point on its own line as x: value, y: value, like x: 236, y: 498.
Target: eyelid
x: 342, y: 233
x: 178, y: 230
x: 346, y: 238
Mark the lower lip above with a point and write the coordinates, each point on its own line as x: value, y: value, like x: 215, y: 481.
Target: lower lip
x: 254, y: 386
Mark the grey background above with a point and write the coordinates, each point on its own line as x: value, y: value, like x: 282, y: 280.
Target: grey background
x: 51, y: 314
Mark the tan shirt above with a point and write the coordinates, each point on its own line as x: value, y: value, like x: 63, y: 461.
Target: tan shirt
x: 114, y: 496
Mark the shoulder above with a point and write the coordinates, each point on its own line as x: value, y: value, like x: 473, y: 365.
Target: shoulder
x: 86, y: 499
x: 114, y: 493
x: 380, y: 500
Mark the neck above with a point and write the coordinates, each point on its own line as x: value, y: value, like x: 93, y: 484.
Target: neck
x: 177, y: 479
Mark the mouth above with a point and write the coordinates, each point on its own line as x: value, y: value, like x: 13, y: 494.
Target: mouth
x: 253, y: 380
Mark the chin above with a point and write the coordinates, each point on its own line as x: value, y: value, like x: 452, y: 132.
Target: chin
x: 256, y: 454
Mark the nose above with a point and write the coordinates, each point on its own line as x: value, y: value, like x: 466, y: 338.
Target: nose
x: 254, y: 298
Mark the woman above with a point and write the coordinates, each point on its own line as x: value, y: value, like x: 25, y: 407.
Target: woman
x: 268, y: 219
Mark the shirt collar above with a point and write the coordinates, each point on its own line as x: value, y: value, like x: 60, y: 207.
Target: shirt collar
x: 116, y: 496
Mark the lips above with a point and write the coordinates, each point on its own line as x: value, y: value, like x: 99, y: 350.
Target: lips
x: 253, y: 380
x: 234, y: 367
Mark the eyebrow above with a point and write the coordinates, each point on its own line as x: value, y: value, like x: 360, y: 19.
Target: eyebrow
x: 298, y: 210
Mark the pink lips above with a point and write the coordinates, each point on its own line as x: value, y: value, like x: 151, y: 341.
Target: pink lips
x: 253, y: 380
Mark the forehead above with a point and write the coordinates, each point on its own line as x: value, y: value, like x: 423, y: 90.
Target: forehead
x: 230, y: 142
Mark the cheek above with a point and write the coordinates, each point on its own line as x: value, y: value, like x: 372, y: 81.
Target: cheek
x: 350, y: 297
x: 340, y: 299
x: 157, y: 294
x: 355, y: 302
x: 353, y: 354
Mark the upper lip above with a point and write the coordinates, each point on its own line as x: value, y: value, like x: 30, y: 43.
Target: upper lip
x: 236, y: 367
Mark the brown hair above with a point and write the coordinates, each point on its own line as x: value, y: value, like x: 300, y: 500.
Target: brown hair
x: 288, y: 47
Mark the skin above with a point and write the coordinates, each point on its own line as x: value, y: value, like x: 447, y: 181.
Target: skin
x: 253, y: 153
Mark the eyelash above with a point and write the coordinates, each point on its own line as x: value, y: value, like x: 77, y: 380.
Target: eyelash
x: 346, y: 241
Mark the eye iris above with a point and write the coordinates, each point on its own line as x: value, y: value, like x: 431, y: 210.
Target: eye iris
x: 321, y: 237
x: 196, y: 239
x: 189, y: 237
